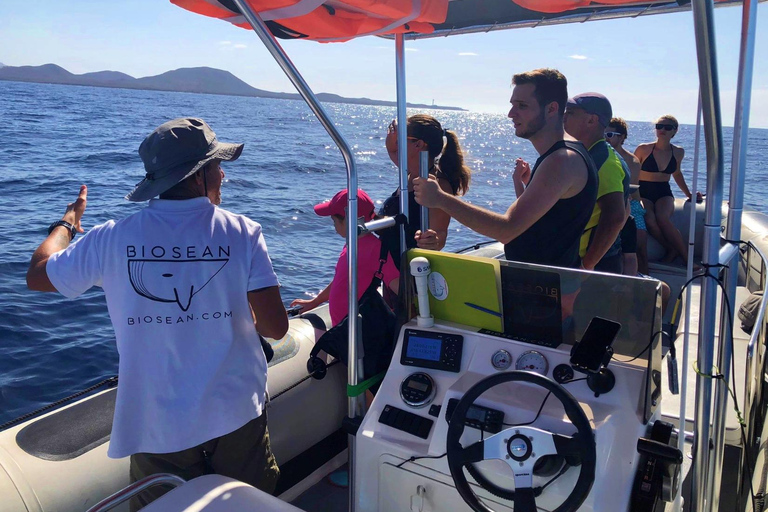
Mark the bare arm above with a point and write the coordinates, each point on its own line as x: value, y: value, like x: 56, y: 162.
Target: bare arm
x: 612, y: 218
x: 554, y: 179
x: 307, y: 304
x: 680, y: 179
x: 37, y: 277
x: 437, y: 234
x: 521, y: 176
x: 634, y: 169
x: 678, y: 174
x: 642, y: 151
x: 270, y: 318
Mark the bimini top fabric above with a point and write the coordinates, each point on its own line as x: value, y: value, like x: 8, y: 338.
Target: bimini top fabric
x: 328, y: 21
x: 337, y: 20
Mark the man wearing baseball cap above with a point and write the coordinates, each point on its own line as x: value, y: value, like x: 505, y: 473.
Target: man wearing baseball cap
x: 189, y: 287
x: 586, y: 116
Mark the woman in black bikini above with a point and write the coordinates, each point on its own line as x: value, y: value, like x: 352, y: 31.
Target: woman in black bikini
x: 425, y: 134
x: 658, y: 161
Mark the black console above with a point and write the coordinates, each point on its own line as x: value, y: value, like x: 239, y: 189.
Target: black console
x: 479, y: 417
x: 433, y: 350
x: 406, y: 421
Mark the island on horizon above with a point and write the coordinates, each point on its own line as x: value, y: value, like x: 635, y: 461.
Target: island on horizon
x: 195, y: 80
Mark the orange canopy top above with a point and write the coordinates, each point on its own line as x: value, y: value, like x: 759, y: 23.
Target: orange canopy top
x: 336, y: 20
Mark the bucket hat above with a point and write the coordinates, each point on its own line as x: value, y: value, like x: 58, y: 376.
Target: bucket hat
x: 338, y: 205
x: 176, y: 150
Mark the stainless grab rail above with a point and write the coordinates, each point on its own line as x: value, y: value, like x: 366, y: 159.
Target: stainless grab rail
x: 709, y: 83
x: 355, y: 405
x: 757, y: 340
x: 135, y: 488
x: 424, y: 173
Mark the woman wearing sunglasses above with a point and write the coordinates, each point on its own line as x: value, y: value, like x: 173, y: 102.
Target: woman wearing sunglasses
x: 659, y: 161
x: 446, y: 163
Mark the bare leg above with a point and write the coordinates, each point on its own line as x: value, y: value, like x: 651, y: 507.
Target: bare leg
x: 630, y: 264
x: 642, y: 251
x: 665, y: 207
x: 653, y: 227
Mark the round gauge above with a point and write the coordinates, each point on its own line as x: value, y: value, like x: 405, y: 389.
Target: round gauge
x: 501, y: 360
x: 532, y: 361
x: 418, y: 389
x: 562, y: 373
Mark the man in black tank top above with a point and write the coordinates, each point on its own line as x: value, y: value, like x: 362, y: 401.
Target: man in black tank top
x: 555, y: 198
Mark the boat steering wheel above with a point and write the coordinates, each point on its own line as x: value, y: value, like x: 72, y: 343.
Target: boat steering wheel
x: 520, y: 447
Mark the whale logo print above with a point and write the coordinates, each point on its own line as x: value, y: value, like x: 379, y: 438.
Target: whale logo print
x: 172, y: 280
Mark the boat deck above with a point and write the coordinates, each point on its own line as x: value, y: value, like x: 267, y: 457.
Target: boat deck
x: 324, y: 496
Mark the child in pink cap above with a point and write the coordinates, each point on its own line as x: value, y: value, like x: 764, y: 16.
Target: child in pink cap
x: 368, y: 250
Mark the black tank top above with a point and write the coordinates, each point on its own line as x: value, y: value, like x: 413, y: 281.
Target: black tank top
x: 391, y: 237
x: 554, y: 238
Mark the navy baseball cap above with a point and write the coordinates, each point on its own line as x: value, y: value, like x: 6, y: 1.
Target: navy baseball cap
x: 593, y: 103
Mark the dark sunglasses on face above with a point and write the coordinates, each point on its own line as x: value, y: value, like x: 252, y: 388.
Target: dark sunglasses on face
x: 610, y: 135
x: 668, y: 127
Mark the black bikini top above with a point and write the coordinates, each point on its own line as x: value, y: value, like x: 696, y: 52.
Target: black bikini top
x: 650, y: 165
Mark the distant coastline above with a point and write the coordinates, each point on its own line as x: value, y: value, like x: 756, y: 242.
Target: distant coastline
x: 196, y: 80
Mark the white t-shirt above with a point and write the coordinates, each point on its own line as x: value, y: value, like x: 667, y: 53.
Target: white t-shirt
x: 176, y: 277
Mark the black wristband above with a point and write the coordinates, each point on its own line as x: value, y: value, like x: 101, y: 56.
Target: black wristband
x: 70, y: 227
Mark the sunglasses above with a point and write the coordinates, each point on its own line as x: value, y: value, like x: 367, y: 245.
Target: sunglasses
x: 668, y: 127
x: 610, y: 135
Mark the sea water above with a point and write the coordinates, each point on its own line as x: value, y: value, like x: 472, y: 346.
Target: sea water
x: 57, y: 137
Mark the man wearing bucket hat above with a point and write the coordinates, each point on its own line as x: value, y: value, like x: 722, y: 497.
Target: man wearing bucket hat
x: 189, y: 287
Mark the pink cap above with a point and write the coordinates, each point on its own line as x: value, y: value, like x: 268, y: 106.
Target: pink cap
x: 338, y: 205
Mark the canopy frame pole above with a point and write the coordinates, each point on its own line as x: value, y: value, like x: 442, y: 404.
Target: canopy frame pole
x: 424, y: 174
x: 703, y: 24
x: 355, y: 405
x: 678, y: 504
x: 402, y: 135
x: 733, y: 232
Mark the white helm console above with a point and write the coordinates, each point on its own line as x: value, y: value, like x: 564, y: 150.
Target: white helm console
x: 528, y: 429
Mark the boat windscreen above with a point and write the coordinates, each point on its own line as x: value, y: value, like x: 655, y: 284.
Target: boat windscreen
x: 550, y: 306
x: 335, y: 21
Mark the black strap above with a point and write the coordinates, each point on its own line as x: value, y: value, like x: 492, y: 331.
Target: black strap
x: 383, y: 254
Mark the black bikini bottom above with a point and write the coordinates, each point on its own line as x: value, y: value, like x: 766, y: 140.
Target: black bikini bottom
x: 655, y: 190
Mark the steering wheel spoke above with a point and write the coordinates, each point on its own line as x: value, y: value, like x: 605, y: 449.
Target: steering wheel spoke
x: 525, y: 500
x: 473, y: 453
x: 567, y: 446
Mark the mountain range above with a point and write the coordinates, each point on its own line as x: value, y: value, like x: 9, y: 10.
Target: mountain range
x: 198, y: 80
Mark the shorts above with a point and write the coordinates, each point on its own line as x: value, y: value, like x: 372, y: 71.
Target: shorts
x: 611, y: 264
x: 638, y: 212
x: 244, y: 455
x: 655, y: 190
x: 629, y: 237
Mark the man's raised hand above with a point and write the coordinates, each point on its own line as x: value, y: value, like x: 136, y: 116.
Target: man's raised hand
x: 75, y: 210
x: 522, y: 171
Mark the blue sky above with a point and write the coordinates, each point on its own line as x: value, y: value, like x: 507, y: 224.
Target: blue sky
x: 646, y: 66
